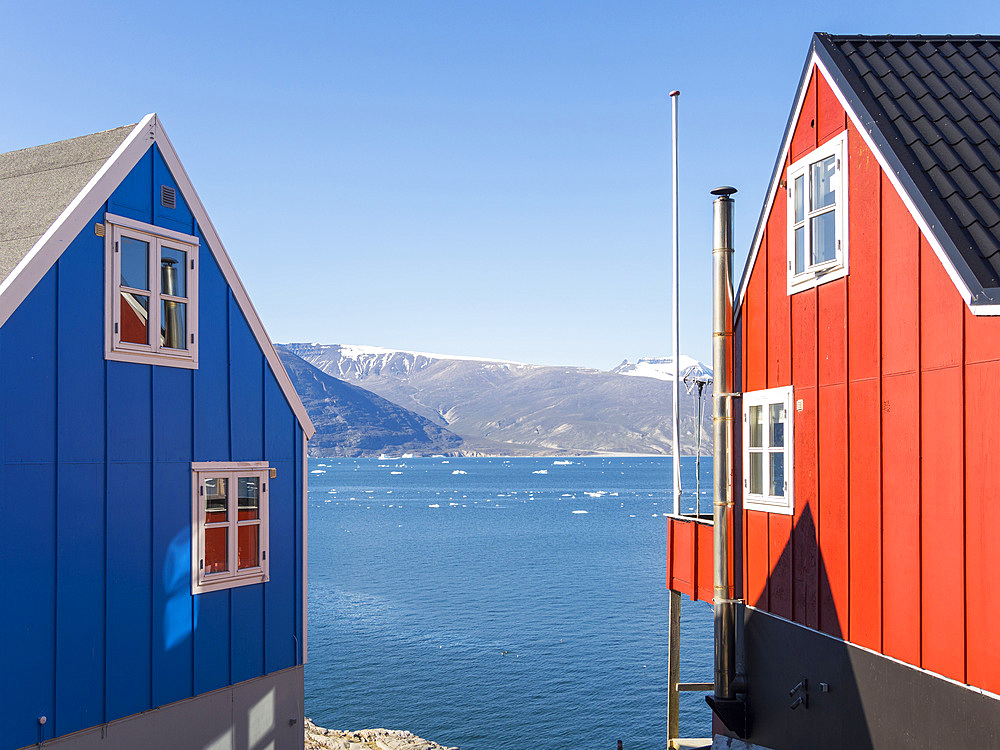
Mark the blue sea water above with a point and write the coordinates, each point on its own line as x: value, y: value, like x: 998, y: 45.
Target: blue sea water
x: 499, y: 603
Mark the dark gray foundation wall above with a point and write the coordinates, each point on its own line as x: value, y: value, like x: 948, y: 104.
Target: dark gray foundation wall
x: 265, y: 712
x: 852, y: 697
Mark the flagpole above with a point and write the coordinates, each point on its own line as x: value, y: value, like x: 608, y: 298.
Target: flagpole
x: 674, y: 97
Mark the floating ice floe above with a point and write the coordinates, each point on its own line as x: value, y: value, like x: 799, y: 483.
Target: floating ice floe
x: 446, y: 462
x: 541, y: 471
x: 317, y: 471
x: 395, y: 472
x: 562, y: 463
x: 434, y: 505
x: 599, y: 493
x: 459, y: 471
x: 580, y: 511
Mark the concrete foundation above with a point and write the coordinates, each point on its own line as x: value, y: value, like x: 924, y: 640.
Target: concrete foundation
x: 266, y: 713
x: 810, y: 690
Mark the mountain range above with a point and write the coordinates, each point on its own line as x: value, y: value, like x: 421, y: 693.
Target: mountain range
x: 351, y: 421
x: 496, y: 407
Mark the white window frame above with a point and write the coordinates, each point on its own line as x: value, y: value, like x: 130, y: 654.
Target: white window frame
x: 233, y: 577
x: 819, y: 273
x: 116, y: 227
x: 765, y: 501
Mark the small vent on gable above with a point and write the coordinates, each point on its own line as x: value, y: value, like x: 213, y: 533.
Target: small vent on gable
x: 168, y: 196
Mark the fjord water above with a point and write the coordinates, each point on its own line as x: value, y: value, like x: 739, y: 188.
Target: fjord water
x: 499, y: 603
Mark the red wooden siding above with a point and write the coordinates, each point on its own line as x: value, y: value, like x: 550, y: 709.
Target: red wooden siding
x: 982, y: 521
x: 864, y: 398
x: 804, y: 135
x: 897, y: 520
x: 830, y: 116
x: 689, y: 558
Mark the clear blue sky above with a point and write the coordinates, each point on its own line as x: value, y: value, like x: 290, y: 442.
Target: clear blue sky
x: 483, y: 178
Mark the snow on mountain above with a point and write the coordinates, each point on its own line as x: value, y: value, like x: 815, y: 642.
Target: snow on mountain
x: 357, y: 351
x: 358, y: 362
x: 662, y: 368
x: 499, y: 407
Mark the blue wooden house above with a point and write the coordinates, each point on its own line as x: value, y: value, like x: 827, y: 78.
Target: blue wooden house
x: 152, y: 466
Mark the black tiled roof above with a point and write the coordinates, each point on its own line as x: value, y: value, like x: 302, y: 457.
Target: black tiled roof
x: 932, y: 104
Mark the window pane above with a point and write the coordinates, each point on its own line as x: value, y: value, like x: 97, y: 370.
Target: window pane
x: 133, y: 315
x: 173, y: 264
x: 135, y: 263
x: 777, y: 483
x: 756, y: 473
x: 800, y: 198
x: 249, y: 546
x: 756, y: 431
x: 249, y: 498
x: 800, y: 250
x: 776, y: 419
x: 823, y: 189
x: 217, y: 549
x: 216, y: 500
x: 173, y: 324
x: 823, y: 236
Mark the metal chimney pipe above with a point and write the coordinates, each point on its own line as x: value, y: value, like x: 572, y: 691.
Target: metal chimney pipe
x: 722, y: 422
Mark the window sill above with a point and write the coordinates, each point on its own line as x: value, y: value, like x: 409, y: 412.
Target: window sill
x: 149, y: 358
x: 229, y: 583
x: 766, y: 507
x: 812, y: 279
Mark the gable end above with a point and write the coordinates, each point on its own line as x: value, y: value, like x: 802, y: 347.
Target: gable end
x: 929, y: 109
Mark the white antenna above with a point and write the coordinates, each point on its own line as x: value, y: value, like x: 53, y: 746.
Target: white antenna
x: 674, y: 96
x: 695, y: 377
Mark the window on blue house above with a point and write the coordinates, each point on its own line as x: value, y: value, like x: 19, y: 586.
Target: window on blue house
x: 152, y: 294
x: 229, y: 525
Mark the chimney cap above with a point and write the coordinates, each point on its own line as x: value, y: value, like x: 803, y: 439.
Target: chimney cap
x: 725, y: 191
x: 675, y: 93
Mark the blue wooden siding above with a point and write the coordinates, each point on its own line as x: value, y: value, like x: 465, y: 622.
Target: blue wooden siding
x: 98, y: 621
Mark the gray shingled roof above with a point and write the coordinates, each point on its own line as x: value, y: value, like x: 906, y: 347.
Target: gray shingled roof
x: 932, y: 103
x: 37, y: 184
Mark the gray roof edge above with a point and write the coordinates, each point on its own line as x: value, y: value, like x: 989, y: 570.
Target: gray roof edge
x: 986, y: 296
x: 863, y: 104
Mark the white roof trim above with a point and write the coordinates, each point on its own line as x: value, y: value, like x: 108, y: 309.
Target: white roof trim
x: 26, y: 275
x: 815, y: 63
x: 46, y: 251
x: 239, y: 291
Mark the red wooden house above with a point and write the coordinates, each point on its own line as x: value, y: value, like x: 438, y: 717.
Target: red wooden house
x: 866, y: 519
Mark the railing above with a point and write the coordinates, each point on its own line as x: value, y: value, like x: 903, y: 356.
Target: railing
x: 674, y: 686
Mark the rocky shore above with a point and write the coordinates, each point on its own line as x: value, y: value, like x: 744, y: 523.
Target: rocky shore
x: 318, y: 738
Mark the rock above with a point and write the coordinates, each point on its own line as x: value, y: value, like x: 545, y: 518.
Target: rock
x: 319, y: 738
